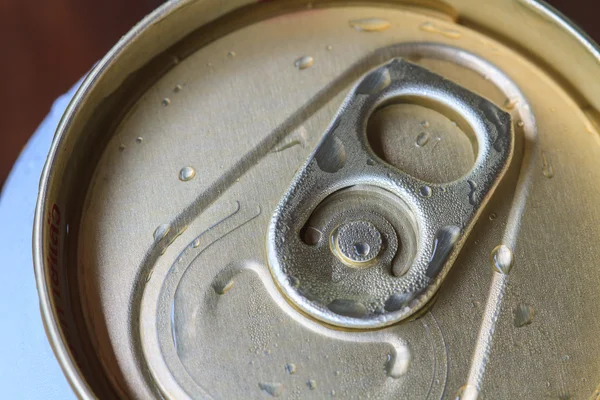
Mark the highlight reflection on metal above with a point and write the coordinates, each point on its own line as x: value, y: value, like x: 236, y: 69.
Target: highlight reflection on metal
x: 439, y: 215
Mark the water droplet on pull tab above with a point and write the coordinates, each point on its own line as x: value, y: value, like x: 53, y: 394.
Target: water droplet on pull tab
x: 472, y: 192
x: 425, y: 191
x: 443, y: 244
x: 312, y: 384
x: 362, y: 249
x: 274, y: 389
x: 348, y: 308
x: 370, y: 24
x: 304, y: 62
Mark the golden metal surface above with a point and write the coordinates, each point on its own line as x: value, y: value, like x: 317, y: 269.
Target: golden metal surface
x: 114, y: 217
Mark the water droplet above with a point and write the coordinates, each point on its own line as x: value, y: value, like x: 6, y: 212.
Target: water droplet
x: 467, y: 392
x: 510, y: 103
x: 161, y: 231
x: 121, y: 147
x: 286, y: 146
x: 422, y: 139
x: 397, y: 363
x: 312, y: 384
x: 329, y: 47
x: 523, y: 315
x: 178, y: 88
x: 425, y: 124
x: 362, y: 249
x: 332, y: 393
x: 492, y: 216
x: 547, y: 168
x: 222, y: 287
x: 149, y: 275
x: 520, y: 124
x: 231, y: 54
x: 186, y: 174
x: 312, y: 235
x: 290, y: 368
x: 294, y: 282
x: 166, y: 101
x: 337, y: 373
x: 472, y: 192
x: 398, y: 300
x: 370, y: 24
x: 139, y: 139
x: 371, y: 162
x: 449, y: 33
x: 425, y: 191
x: 502, y: 259
x: 274, y: 389
x: 443, y: 243
x: 348, y: 308
x: 304, y: 62
x: 196, y: 243
x: 566, y: 358
x: 375, y: 81
x: 331, y: 155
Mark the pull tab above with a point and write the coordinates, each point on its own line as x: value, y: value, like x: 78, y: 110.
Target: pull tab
x: 356, y: 242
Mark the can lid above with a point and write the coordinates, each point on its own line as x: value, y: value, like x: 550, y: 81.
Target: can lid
x: 158, y: 281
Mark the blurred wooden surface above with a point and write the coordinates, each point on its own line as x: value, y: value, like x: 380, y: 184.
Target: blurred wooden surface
x: 47, y: 45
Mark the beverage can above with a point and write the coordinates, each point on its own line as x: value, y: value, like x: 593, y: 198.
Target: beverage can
x: 364, y: 199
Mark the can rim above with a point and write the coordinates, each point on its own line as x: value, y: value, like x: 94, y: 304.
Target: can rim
x: 56, y: 339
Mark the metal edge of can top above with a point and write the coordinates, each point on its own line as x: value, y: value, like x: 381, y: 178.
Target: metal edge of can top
x: 55, y: 336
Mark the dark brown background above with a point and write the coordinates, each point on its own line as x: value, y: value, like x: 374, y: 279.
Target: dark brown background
x: 47, y: 45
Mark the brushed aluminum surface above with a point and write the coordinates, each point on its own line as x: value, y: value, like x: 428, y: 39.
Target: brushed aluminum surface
x: 159, y: 285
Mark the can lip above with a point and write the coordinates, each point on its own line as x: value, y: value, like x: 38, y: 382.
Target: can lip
x: 63, y: 354
x: 568, y: 25
x: 55, y: 338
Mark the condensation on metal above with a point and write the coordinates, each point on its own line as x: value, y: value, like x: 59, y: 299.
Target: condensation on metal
x: 339, y: 161
x: 479, y: 363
